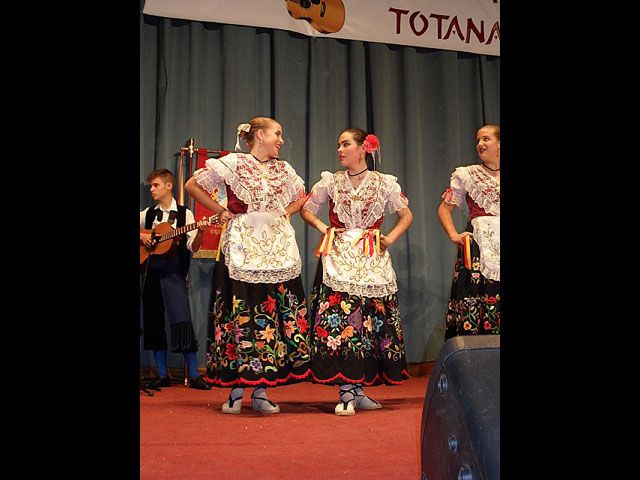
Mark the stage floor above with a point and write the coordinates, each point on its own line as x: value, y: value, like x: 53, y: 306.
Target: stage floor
x: 185, y: 436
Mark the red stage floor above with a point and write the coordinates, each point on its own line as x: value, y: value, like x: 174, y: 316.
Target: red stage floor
x: 184, y: 435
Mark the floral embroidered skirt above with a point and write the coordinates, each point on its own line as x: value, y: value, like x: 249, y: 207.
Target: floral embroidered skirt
x: 258, y: 334
x: 355, y: 339
x: 474, y: 304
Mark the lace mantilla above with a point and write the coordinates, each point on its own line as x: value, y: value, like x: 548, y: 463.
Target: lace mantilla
x: 269, y: 191
x: 480, y: 186
x: 357, y: 207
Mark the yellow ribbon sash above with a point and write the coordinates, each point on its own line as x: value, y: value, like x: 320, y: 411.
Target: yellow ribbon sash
x: 370, y: 242
x: 326, y: 243
x: 466, y: 251
x: 224, y: 226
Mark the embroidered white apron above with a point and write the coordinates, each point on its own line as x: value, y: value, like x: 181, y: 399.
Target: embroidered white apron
x: 348, y: 269
x: 260, y: 247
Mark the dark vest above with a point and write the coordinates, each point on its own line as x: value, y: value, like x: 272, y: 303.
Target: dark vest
x: 184, y: 255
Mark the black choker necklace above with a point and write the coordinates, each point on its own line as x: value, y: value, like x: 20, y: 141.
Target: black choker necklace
x: 356, y: 174
x: 489, y: 168
x: 261, y: 161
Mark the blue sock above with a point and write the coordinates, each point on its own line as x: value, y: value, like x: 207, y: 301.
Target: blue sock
x: 192, y: 363
x: 161, y: 362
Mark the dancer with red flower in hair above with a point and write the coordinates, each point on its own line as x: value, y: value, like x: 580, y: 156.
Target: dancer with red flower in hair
x: 356, y: 329
x: 474, y: 304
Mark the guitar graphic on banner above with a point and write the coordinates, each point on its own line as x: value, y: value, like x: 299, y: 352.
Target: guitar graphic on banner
x: 326, y: 16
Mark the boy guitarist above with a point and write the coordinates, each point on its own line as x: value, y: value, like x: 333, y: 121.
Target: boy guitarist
x: 165, y: 288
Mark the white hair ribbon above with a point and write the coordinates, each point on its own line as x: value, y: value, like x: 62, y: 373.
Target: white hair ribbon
x: 243, y: 127
x: 379, y: 155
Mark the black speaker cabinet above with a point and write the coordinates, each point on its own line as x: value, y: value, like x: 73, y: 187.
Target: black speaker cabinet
x: 461, y: 413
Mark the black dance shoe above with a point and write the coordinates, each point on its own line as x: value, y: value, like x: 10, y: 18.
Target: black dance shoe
x: 199, y: 384
x: 159, y: 382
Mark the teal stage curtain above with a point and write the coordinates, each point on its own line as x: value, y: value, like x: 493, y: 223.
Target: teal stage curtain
x: 202, y: 79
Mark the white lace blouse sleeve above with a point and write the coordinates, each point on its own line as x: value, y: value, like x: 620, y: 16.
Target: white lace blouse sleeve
x: 295, y: 188
x: 456, y: 194
x: 320, y: 193
x: 395, y: 199
x: 213, y: 173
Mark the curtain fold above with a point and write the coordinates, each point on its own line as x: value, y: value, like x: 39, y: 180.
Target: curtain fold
x: 202, y: 79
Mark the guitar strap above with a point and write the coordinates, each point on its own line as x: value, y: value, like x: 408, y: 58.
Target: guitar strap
x: 148, y: 219
x: 156, y: 213
x: 181, y: 219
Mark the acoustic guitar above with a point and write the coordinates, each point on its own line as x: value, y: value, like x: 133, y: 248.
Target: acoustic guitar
x: 163, y: 232
x: 326, y: 16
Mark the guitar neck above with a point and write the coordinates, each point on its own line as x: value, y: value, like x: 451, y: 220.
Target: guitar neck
x: 182, y: 230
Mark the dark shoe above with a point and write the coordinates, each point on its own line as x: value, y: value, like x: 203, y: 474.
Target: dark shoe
x: 199, y: 384
x: 159, y: 382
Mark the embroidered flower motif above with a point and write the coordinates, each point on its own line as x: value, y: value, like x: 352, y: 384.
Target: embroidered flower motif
x: 292, y: 298
x: 289, y: 328
x: 355, y: 319
x: 323, y: 307
x: 368, y: 324
x: 256, y: 365
x: 237, y: 334
x: 270, y: 304
x: 218, y: 334
x: 333, y: 342
x: 322, y: 333
x: 347, y: 332
x: 379, y: 306
x: 378, y: 323
x: 231, y: 351
x: 346, y: 307
x: 334, y: 299
x: 302, y: 325
x: 384, y: 344
x: 333, y: 320
x: 236, y: 303
x: 267, y: 333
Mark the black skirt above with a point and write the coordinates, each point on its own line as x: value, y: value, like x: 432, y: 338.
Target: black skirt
x: 474, y: 303
x: 355, y: 339
x: 258, y: 334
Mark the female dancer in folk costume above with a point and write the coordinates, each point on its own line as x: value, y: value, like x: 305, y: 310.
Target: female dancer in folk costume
x: 357, y: 332
x: 258, y: 334
x: 474, y: 305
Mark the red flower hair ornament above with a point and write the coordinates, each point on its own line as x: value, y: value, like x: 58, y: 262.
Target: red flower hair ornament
x: 372, y: 146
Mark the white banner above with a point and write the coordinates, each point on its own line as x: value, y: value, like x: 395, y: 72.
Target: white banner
x: 462, y: 25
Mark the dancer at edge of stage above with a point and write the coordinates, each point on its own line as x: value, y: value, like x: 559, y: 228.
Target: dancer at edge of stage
x: 357, y: 333
x: 474, y: 304
x: 258, y: 334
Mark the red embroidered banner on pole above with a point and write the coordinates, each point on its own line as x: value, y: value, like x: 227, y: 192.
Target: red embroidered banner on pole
x: 211, y: 238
